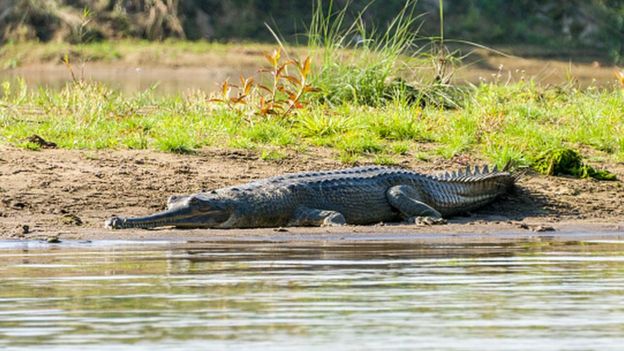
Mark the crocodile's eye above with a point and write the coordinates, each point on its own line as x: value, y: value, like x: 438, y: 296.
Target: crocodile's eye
x: 193, y: 201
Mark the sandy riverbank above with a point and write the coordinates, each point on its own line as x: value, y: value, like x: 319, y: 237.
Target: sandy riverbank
x: 70, y: 193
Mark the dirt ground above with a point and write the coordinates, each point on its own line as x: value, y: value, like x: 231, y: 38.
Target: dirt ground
x: 68, y: 194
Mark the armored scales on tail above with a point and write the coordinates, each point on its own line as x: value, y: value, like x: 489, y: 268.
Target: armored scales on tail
x: 361, y: 195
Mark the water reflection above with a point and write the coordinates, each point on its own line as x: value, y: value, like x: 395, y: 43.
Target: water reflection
x: 542, y: 296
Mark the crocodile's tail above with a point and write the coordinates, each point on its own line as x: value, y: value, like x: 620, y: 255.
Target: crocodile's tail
x: 472, y: 187
x: 473, y: 174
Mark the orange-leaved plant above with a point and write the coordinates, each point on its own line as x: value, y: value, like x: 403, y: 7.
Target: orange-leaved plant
x: 283, y: 95
x: 619, y: 74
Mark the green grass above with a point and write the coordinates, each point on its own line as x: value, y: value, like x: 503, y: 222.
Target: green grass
x: 358, y: 64
x: 498, y: 123
x: 372, y: 103
x: 272, y: 155
x: 568, y: 162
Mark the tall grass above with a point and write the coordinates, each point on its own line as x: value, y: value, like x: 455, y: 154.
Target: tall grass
x: 363, y: 65
x: 357, y: 62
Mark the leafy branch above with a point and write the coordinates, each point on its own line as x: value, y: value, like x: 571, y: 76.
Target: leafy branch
x: 284, y: 93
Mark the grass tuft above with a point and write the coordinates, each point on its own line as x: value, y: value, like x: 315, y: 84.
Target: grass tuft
x: 359, y: 143
x: 358, y: 64
x: 564, y: 161
x: 385, y: 160
x: 272, y: 155
x: 176, y: 144
x: 269, y: 132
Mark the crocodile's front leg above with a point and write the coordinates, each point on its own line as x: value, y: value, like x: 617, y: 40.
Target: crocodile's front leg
x: 305, y: 216
x: 407, y: 200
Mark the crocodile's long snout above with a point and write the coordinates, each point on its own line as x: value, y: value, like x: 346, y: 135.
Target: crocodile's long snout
x: 196, y: 212
x: 160, y: 219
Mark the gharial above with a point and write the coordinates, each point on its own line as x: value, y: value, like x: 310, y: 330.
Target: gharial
x: 361, y: 195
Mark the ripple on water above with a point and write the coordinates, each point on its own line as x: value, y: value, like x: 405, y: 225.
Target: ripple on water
x: 352, y: 297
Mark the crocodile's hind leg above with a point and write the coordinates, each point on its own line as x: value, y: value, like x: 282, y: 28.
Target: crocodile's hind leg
x: 305, y: 216
x: 407, y: 200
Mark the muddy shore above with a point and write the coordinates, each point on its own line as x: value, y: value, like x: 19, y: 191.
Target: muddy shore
x: 68, y: 194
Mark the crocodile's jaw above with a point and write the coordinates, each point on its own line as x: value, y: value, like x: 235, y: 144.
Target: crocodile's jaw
x: 184, y: 216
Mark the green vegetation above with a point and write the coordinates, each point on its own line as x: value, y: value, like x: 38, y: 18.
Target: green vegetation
x: 569, y: 162
x: 363, y: 100
x: 497, y: 123
x: 359, y: 76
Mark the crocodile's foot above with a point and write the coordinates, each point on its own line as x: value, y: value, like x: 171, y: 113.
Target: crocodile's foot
x: 335, y: 219
x: 426, y: 220
x: 114, y: 223
x: 305, y: 216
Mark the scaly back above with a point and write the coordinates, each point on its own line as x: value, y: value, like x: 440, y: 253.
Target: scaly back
x: 462, y: 191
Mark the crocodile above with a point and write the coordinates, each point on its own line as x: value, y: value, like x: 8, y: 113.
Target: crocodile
x: 360, y: 195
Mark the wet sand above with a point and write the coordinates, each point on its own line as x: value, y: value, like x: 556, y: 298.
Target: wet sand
x: 453, y: 233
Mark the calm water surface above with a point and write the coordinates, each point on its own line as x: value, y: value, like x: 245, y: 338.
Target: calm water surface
x: 132, y: 80
x: 364, y: 296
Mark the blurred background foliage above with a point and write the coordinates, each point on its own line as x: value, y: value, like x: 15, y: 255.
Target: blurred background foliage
x: 595, y: 25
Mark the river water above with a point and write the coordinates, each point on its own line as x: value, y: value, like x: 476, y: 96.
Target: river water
x: 311, y: 296
x: 161, y: 81
x: 174, y: 81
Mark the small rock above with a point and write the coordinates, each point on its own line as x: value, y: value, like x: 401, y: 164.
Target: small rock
x: 71, y: 219
x: 428, y: 221
x: 183, y: 170
x: 35, y: 139
x: 523, y: 226
x: 280, y: 229
x: 563, y: 190
x: 496, y: 218
x: 53, y: 240
x: 25, y: 229
x: 18, y: 205
x: 543, y: 228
